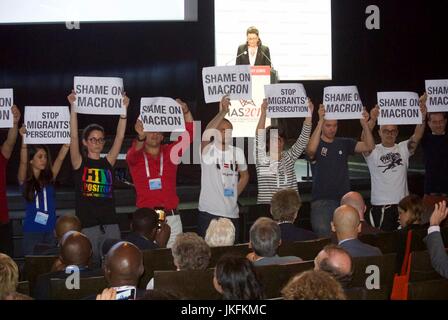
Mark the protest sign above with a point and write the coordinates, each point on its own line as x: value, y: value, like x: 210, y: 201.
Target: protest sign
x: 437, y: 91
x: 161, y: 114
x: 286, y: 100
x: 234, y: 81
x: 99, y: 95
x: 47, y: 125
x: 342, y: 102
x: 6, y: 102
x: 398, y: 108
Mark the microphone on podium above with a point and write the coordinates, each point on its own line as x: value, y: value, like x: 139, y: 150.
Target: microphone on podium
x: 274, y: 73
x: 242, y: 53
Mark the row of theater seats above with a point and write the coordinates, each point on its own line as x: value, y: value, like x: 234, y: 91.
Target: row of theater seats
x: 424, y: 282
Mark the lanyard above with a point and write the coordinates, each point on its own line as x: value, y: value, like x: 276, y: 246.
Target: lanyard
x: 285, y: 180
x: 45, y: 200
x: 148, y: 173
x: 220, y: 166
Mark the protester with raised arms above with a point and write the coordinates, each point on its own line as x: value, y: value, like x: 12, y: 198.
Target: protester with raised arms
x: 36, y: 176
x: 275, y: 168
x: 95, y: 205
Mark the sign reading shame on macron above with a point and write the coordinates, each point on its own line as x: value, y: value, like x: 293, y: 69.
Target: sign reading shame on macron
x: 342, y: 103
x: 161, y: 115
x: 234, y: 81
x: 437, y: 91
x: 398, y: 108
x: 287, y: 100
x: 47, y: 125
x: 6, y: 102
x: 99, y: 95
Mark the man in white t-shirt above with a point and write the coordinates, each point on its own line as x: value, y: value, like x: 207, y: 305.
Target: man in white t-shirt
x: 224, y: 172
x: 388, y: 165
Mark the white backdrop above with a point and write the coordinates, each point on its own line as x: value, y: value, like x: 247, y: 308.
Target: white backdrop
x: 297, y: 32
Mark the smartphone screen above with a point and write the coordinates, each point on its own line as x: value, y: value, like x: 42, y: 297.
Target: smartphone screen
x: 125, y: 293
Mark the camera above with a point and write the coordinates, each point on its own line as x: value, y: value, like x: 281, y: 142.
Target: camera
x: 161, y: 215
x: 125, y: 293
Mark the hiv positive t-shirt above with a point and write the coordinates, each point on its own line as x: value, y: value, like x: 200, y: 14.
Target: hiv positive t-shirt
x: 95, y: 204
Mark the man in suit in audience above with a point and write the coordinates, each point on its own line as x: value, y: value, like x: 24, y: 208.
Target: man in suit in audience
x: 347, y: 226
x: 336, y: 261
x: 64, y: 224
x: 145, y: 233
x: 285, y: 206
x: 76, y: 251
x: 265, y: 238
x: 434, y: 241
x: 355, y: 200
x: 123, y: 267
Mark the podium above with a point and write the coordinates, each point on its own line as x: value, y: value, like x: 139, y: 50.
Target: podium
x: 244, y: 114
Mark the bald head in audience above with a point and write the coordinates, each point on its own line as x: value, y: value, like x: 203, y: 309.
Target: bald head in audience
x: 124, y: 265
x: 76, y: 249
x: 65, y: 224
x: 355, y: 200
x: 346, y: 222
x: 335, y: 261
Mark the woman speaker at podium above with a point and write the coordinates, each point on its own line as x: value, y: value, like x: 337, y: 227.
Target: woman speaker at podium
x: 253, y: 52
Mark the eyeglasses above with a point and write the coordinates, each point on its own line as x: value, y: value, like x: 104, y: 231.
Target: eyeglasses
x: 385, y: 131
x: 97, y: 141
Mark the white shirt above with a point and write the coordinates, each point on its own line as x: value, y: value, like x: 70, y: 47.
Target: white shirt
x: 219, y: 172
x: 252, y: 57
x: 388, y: 172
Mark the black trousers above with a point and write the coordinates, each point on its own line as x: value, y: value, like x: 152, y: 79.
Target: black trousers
x: 384, y: 217
x: 6, y: 243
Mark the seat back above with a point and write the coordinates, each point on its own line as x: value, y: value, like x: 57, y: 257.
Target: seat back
x: 87, y: 287
x: 35, y: 266
x: 307, y: 250
x: 158, y: 259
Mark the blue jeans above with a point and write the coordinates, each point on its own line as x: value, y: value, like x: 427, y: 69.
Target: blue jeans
x: 31, y: 239
x: 322, y: 215
x: 204, y: 219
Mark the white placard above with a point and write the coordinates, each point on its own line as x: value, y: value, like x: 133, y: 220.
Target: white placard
x: 286, y: 100
x: 6, y: 102
x: 161, y: 114
x: 342, y: 102
x: 47, y: 125
x: 437, y: 91
x: 234, y: 81
x: 398, y: 108
x: 99, y: 95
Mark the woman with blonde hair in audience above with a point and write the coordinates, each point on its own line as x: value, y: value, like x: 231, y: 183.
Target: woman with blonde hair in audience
x: 313, y: 285
x: 220, y: 233
x: 9, y: 279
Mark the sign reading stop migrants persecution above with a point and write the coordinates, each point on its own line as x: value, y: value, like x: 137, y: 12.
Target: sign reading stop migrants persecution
x: 398, y: 108
x: 286, y: 100
x: 99, y: 95
x: 47, y: 125
x: 342, y: 102
x: 161, y: 114
x: 234, y: 81
x: 6, y: 102
x: 437, y: 91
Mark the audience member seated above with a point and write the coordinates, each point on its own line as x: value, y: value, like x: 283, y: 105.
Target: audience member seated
x: 313, y: 285
x: 434, y: 241
x: 265, y: 238
x: 76, y: 251
x: 410, y: 211
x: 190, y: 252
x: 123, y: 267
x: 236, y: 279
x: 220, y: 233
x: 355, y: 200
x: 285, y: 206
x: 64, y: 224
x: 9, y: 279
x: 337, y: 262
x: 347, y: 226
x: 145, y: 233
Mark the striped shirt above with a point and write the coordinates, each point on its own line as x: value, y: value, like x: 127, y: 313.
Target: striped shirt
x: 275, y: 175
